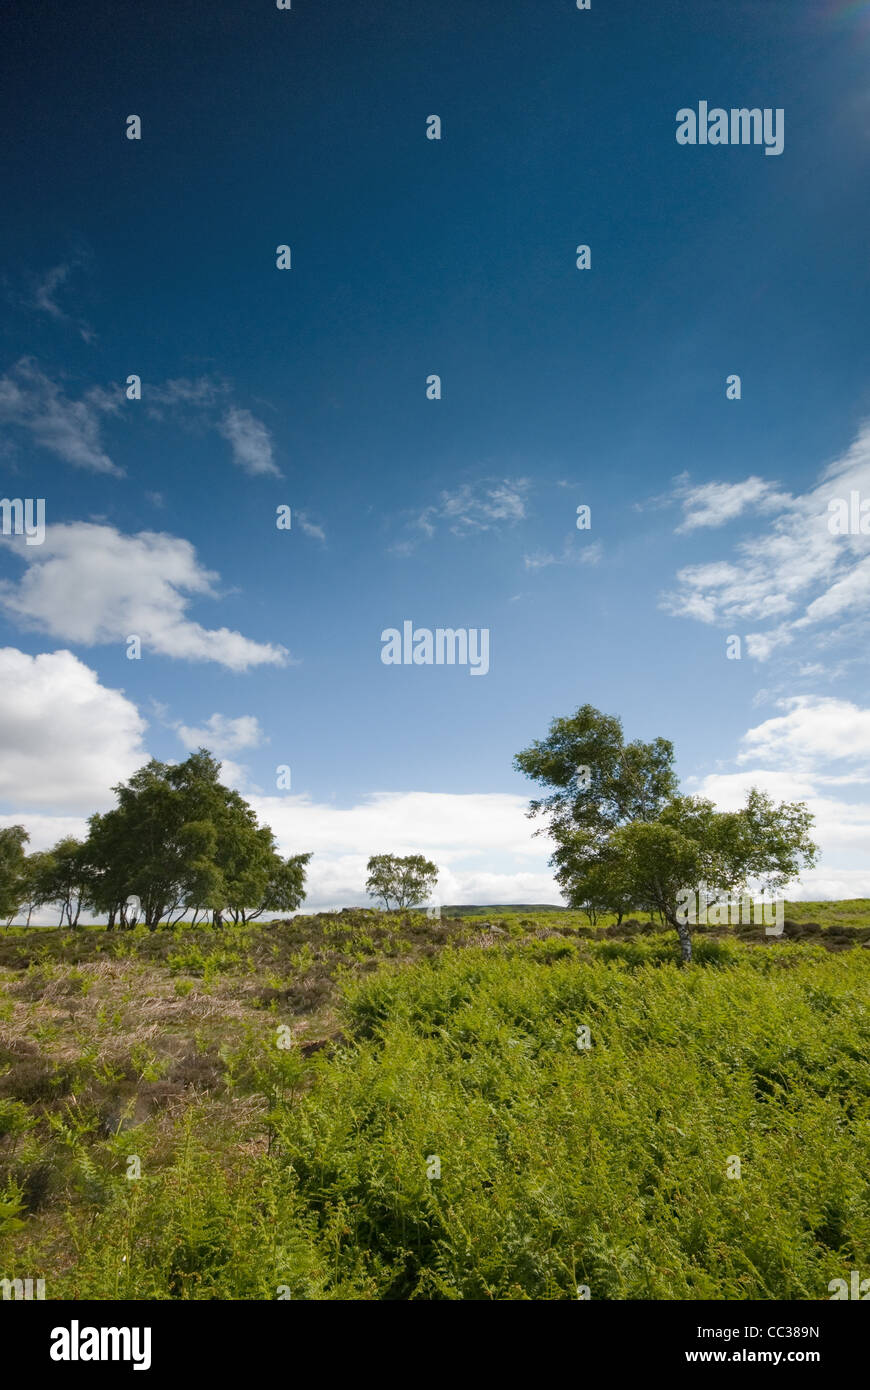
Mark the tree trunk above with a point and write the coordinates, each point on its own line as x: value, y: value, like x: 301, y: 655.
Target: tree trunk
x: 682, y: 930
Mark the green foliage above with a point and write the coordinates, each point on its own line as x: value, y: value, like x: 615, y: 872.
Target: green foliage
x: 604, y: 1166
x: 599, y: 783
x: 11, y: 1209
x: 310, y: 1168
x: 404, y: 881
x: 179, y: 839
x: 60, y: 876
x: 12, y: 870
x: 625, y: 839
x: 691, y: 843
x: 623, y: 781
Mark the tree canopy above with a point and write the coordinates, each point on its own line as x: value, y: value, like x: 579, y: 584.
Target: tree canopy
x: 624, y: 837
x: 404, y: 881
x: 13, y: 873
x: 178, y: 840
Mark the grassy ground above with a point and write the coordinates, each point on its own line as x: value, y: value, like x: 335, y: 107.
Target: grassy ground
x: 363, y: 1106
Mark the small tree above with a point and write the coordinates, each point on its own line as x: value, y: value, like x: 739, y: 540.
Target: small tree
x: 624, y: 838
x: 35, y: 877
x: 692, y: 843
x: 588, y: 881
x: 13, y: 871
x: 405, y: 882
x: 62, y: 876
x: 285, y: 891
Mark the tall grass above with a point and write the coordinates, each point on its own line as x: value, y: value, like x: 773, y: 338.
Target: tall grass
x: 560, y: 1166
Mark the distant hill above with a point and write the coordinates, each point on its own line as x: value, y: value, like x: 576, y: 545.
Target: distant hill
x: 468, y: 909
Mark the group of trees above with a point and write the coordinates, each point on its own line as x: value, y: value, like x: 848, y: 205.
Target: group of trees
x: 31, y: 881
x: 177, y: 842
x: 626, y: 840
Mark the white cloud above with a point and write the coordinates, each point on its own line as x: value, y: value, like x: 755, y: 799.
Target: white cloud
x: 65, y: 739
x: 90, y: 584
x: 221, y: 734
x: 815, y: 729
x: 760, y: 645
x: 238, y: 776
x: 31, y: 401
x: 796, y: 574
x: 848, y: 593
x: 729, y: 789
x: 443, y: 826
x: 715, y: 504
x: 818, y: 745
x: 251, y: 442
x: 44, y: 832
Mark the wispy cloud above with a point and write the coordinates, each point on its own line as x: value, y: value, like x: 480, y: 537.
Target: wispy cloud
x: 468, y: 510
x: 38, y: 406
x: 197, y: 393
x: 715, y: 504
x: 251, y: 441
x: 45, y: 297
x: 203, y: 403
x: 310, y: 527
x: 793, y: 576
x: 573, y: 553
x: 32, y: 402
x: 45, y: 290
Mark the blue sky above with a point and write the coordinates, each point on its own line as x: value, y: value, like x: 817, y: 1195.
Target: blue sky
x: 307, y: 387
